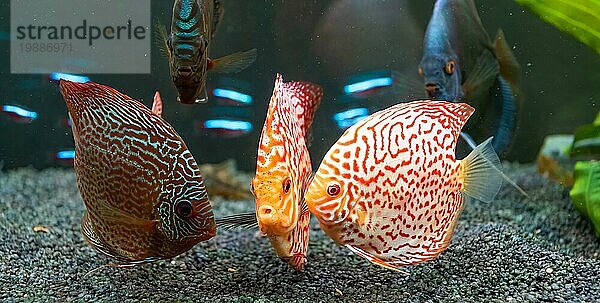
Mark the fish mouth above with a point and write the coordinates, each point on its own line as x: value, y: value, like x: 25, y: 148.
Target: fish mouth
x: 432, y: 90
x: 296, y: 261
x: 185, y: 71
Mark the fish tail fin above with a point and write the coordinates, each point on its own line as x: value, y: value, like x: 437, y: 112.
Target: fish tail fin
x: 161, y: 37
x: 306, y: 98
x: 509, y: 67
x: 481, y: 172
x: 235, y: 62
x: 243, y: 220
x: 157, y: 104
x: 508, y: 117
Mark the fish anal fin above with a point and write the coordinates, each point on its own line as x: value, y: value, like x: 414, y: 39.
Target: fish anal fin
x: 509, y: 67
x: 157, y: 104
x: 482, y: 76
x: 243, y: 220
x: 375, y: 260
x: 233, y: 63
x: 90, y: 236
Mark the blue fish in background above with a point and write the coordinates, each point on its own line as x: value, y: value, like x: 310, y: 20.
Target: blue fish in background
x: 460, y: 63
x: 193, y: 26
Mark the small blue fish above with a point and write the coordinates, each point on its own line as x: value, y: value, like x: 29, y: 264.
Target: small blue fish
x: 193, y: 26
x: 460, y: 63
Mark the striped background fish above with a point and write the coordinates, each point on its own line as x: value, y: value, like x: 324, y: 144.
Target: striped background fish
x: 193, y: 26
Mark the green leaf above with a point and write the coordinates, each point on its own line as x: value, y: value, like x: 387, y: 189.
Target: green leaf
x: 586, y: 144
x: 586, y: 191
x: 580, y: 18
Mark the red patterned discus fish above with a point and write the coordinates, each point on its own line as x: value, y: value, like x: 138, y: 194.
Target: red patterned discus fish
x: 283, y: 170
x: 391, y: 190
x: 144, y: 195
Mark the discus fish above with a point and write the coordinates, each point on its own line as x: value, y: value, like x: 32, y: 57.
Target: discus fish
x: 283, y: 170
x: 391, y: 190
x: 193, y: 27
x: 460, y: 63
x: 144, y: 195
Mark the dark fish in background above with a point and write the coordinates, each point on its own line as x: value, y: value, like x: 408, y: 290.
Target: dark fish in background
x: 193, y: 26
x: 460, y: 63
x: 144, y: 195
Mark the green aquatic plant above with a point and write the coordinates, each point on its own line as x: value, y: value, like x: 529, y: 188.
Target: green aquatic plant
x: 587, y: 141
x: 586, y: 189
x: 579, y: 18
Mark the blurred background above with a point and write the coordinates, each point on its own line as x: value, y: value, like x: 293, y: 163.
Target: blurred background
x: 332, y: 43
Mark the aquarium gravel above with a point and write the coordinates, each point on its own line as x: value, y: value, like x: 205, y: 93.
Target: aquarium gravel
x: 515, y: 249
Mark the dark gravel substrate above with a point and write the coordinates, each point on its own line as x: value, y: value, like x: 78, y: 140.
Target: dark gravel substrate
x: 517, y: 249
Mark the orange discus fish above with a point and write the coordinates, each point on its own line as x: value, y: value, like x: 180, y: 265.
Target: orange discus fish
x: 391, y: 190
x: 283, y: 170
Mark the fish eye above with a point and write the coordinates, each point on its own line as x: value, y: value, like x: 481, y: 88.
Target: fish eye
x: 449, y: 68
x: 333, y: 190
x: 287, y: 184
x: 421, y: 72
x: 183, y: 209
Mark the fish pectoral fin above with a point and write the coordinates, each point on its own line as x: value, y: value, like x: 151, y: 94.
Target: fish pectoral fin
x: 234, y: 63
x: 374, y: 259
x: 243, y: 220
x: 483, y: 74
x: 407, y: 86
x: 509, y: 67
x: 157, y: 104
x: 110, y: 213
x: 218, y: 12
x: 161, y: 38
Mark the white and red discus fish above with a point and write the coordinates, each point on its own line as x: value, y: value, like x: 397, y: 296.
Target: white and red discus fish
x: 283, y: 170
x: 391, y: 190
x: 144, y: 195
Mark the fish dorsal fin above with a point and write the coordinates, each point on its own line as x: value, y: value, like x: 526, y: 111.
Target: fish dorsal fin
x: 483, y: 74
x: 157, y: 104
x: 458, y: 113
x: 509, y: 67
x: 305, y: 98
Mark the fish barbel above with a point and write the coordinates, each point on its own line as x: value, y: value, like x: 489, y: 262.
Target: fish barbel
x: 144, y: 195
x: 391, y: 190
